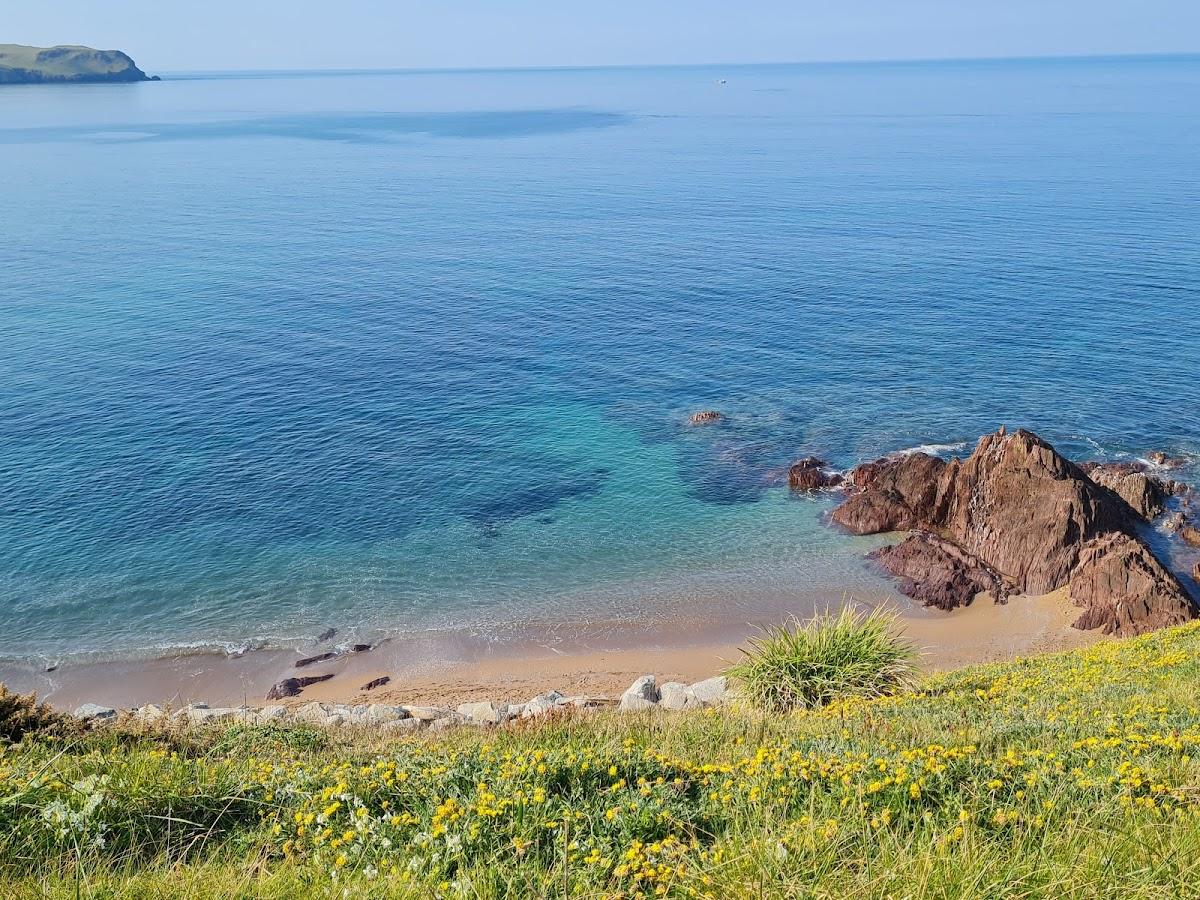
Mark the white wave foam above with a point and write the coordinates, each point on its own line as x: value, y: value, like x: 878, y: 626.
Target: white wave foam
x: 932, y: 449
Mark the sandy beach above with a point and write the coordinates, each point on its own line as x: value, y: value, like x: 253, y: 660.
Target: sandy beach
x: 449, y: 671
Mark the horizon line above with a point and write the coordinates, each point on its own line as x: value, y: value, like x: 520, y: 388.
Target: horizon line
x: 1079, y: 57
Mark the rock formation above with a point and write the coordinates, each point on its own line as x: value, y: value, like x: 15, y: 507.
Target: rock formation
x: 705, y: 417
x: 1145, y: 494
x: 1018, y: 514
x: 939, y: 573
x: 811, y: 474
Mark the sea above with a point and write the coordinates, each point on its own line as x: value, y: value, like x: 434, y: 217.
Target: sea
x: 414, y: 352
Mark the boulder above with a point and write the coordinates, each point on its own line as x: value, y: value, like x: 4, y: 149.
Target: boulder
x: 427, y: 713
x: 939, y: 573
x: 674, y: 695
x: 151, y: 712
x: 1196, y: 573
x: 711, y: 691
x: 93, y: 712
x: 542, y: 704
x: 273, y: 713
x: 484, y: 713
x: 402, y: 726
x: 315, y: 714
x: 642, y: 694
x: 705, y: 417
x: 382, y: 712
x: 810, y: 474
x: 1190, y: 535
x: 1145, y: 494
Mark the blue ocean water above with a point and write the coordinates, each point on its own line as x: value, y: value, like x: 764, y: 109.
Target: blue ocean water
x: 415, y: 351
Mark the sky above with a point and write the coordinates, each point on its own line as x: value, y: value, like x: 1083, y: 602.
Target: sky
x: 165, y: 36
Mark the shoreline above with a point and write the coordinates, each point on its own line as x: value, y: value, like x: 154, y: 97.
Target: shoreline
x: 467, y: 668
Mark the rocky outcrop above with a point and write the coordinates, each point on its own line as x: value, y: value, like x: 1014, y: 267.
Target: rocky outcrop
x: 812, y: 474
x: 938, y: 572
x: 892, y: 494
x: 1190, y: 535
x: 1165, y: 460
x: 705, y: 417
x: 1145, y: 494
x: 1124, y: 589
x: 1017, y: 508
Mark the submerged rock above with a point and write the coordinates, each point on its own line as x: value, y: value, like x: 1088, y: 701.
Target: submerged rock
x: 809, y: 474
x: 705, y: 417
x: 1159, y: 458
x: 319, y: 658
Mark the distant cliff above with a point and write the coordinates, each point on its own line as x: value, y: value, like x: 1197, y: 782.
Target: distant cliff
x: 66, y: 65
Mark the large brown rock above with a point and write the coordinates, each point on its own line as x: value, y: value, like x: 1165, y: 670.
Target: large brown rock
x: 1124, y: 589
x: 894, y: 494
x: 1021, y: 510
x: 1025, y: 510
x: 1145, y: 494
x: 939, y: 573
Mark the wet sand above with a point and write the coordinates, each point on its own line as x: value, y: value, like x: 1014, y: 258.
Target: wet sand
x: 451, y: 669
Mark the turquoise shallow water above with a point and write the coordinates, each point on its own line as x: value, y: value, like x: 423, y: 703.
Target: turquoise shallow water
x: 413, y: 351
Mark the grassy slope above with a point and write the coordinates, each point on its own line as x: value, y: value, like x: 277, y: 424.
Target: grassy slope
x: 1064, y: 776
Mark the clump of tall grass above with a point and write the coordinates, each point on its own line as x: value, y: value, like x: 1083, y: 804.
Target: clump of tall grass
x: 809, y: 664
x: 21, y: 714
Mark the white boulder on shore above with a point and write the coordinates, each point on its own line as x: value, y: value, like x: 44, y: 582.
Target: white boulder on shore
x: 643, y: 694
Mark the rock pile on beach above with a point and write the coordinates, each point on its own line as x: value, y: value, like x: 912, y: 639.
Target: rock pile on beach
x: 1016, y: 516
x: 644, y: 694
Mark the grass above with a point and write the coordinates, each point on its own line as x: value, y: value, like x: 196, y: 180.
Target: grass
x: 1073, y: 775
x: 806, y: 665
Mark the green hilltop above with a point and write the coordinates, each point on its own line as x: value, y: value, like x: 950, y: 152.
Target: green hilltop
x: 66, y: 65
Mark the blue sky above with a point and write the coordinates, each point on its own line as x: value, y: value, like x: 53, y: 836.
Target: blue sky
x: 243, y: 34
